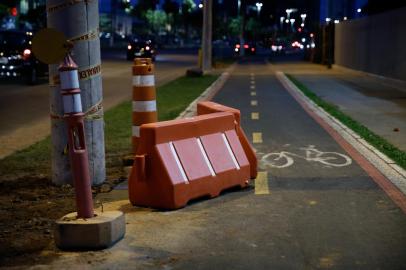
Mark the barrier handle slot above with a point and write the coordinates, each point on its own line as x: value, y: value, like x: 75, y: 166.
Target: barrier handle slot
x: 139, y: 164
x: 77, y: 137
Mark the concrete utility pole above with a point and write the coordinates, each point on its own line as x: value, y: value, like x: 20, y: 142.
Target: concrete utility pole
x: 207, y: 36
x: 79, y: 21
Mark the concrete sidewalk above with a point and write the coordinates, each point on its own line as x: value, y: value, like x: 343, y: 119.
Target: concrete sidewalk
x: 376, y: 102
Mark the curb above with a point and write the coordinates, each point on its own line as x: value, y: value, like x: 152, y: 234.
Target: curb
x: 209, y: 93
x: 385, y: 165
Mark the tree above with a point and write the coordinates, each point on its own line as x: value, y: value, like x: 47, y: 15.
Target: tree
x: 143, y: 6
x: 234, y: 27
x: 252, y: 28
x: 157, y: 20
x: 172, y: 10
x: 187, y: 8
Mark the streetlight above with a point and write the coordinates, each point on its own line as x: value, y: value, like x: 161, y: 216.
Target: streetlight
x: 288, y: 11
x: 292, y: 21
x: 282, y: 19
x: 359, y: 10
x: 259, y: 6
x: 200, y: 5
x: 303, y: 16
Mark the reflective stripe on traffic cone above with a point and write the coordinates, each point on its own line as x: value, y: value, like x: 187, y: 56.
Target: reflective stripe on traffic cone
x: 144, y: 97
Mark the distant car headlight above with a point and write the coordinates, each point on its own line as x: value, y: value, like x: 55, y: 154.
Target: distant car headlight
x: 129, y: 47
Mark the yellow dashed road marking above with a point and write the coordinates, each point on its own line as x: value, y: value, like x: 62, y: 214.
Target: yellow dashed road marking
x: 253, y: 93
x: 252, y: 86
x: 257, y: 137
x: 261, y: 184
x: 254, y: 115
x: 254, y: 102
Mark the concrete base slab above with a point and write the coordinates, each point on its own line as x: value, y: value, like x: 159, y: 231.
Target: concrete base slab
x: 99, y: 232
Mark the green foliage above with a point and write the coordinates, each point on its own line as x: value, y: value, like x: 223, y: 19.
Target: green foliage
x: 234, y: 27
x: 157, y: 19
x: 380, y: 143
x: 188, y: 6
x: 252, y: 28
x: 143, y: 6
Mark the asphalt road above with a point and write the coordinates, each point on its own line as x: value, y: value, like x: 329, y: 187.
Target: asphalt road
x: 316, y: 215
x: 312, y: 208
x: 24, y: 109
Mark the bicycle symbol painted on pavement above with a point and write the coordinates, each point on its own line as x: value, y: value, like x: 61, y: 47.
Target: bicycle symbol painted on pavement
x: 285, y: 159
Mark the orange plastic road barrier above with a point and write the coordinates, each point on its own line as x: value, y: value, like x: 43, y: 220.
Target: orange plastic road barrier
x: 184, y: 159
x: 144, y: 97
x: 207, y: 107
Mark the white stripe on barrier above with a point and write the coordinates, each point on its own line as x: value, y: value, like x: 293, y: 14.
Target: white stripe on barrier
x: 144, y: 106
x: 136, y: 131
x: 175, y: 155
x: 72, y: 103
x: 69, y: 79
x: 143, y: 80
x: 230, y: 151
x: 199, y: 142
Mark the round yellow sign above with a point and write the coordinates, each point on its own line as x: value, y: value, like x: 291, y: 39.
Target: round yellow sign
x: 50, y: 46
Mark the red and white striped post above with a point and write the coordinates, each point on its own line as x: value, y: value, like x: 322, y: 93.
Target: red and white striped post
x: 73, y: 115
x: 144, y: 97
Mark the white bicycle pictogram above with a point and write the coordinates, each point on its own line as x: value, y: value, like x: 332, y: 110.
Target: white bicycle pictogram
x: 285, y: 159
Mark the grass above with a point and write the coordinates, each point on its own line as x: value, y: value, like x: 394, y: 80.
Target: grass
x: 223, y: 62
x: 378, y: 142
x: 172, y: 99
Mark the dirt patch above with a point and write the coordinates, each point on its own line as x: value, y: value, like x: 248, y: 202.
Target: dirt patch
x: 29, y: 207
